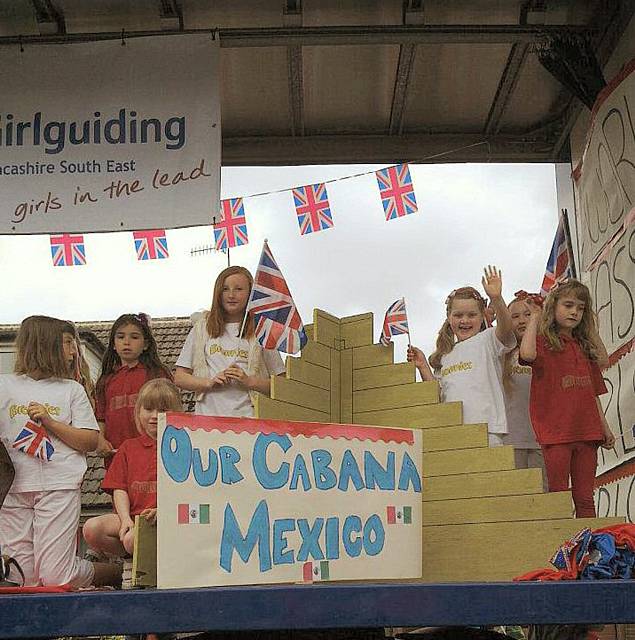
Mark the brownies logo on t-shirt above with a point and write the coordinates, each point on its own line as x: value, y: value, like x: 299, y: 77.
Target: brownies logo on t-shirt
x: 454, y: 368
x: 569, y: 382
x: 144, y: 486
x: 228, y: 353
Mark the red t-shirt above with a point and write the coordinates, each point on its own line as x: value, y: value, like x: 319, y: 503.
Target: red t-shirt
x: 116, y: 407
x: 564, y: 386
x: 134, y: 470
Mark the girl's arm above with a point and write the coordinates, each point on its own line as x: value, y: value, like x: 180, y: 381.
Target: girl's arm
x: 493, y: 285
x: 121, y: 502
x: 600, y: 349
x: 184, y: 379
x: 104, y: 448
x: 416, y: 356
x: 83, y: 440
x: 528, y: 343
x: 609, y: 438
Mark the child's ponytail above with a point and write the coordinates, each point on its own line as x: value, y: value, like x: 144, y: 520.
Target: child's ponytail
x: 445, y: 344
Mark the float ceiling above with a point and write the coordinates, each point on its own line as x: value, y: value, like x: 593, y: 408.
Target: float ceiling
x: 336, y: 81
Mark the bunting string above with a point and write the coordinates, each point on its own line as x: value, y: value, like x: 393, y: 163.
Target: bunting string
x: 312, y: 208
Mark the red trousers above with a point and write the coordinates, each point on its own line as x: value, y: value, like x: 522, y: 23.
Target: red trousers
x: 578, y: 461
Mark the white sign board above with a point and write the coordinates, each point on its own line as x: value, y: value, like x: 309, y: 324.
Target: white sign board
x: 109, y: 136
x: 605, y: 179
x: 619, y: 408
x: 251, y: 501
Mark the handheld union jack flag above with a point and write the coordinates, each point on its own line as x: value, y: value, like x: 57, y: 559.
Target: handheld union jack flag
x: 277, y: 322
x: 395, y: 322
x: 151, y: 245
x: 68, y: 250
x: 231, y: 231
x: 34, y: 441
x: 396, y: 191
x: 558, y: 263
x: 313, y: 208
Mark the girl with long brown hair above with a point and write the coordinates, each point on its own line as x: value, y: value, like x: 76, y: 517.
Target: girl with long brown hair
x: 565, y: 351
x: 131, y: 359
x: 467, y: 360
x: 224, y: 368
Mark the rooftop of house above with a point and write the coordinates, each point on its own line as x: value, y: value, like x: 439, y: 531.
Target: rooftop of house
x: 169, y: 333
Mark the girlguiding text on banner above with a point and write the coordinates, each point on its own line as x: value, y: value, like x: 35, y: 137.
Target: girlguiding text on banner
x: 250, y: 501
x: 109, y: 135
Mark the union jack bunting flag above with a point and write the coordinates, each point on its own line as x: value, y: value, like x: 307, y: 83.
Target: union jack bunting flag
x: 559, y: 263
x: 151, y: 245
x: 313, y: 208
x: 231, y: 231
x: 395, y: 322
x: 68, y: 250
x: 396, y: 191
x: 276, y: 319
x: 34, y: 441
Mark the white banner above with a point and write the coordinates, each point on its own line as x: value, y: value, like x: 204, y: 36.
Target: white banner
x: 251, y: 501
x: 612, y: 286
x: 619, y: 408
x: 109, y: 136
x: 605, y: 179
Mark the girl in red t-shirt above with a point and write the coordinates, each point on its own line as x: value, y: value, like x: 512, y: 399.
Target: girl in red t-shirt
x: 565, y: 351
x: 132, y: 476
x: 131, y: 359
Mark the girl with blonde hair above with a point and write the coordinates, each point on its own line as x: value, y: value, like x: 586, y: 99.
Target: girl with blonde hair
x: 132, y: 476
x: 467, y: 360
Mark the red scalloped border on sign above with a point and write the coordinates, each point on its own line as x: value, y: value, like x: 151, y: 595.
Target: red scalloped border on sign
x: 307, y: 429
x: 623, y: 471
x: 626, y: 70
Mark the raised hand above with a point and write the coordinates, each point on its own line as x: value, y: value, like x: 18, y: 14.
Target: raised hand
x: 492, y: 282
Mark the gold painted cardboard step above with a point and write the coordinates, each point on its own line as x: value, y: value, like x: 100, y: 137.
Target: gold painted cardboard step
x: 496, y: 551
x: 483, y: 519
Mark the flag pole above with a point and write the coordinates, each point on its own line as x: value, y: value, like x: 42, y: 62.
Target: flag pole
x: 407, y: 323
x: 567, y: 235
x: 251, y: 293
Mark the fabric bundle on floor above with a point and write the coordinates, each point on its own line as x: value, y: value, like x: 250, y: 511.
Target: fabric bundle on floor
x: 601, y: 554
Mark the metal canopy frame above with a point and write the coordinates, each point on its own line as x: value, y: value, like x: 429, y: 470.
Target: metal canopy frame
x: 544, y: 141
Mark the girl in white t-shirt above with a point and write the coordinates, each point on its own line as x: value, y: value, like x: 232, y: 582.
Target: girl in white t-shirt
x: 47, y: 425
x: 467, y: 361
x: 527, y: 452
x: 225, y: 370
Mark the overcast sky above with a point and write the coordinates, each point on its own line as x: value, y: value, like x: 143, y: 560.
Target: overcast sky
x: 470, y: 215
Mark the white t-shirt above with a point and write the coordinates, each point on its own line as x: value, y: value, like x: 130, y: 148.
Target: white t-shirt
x: 231, y: 399
x: 520, y: 432
x: 473, y: 373
x: 67, y: 402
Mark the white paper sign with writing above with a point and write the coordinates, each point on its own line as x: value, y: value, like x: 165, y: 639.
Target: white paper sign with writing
x: 617, y: 498
x: 612, y: 285
x: 109, y: 136
x: 251, y: 501
x: 605, y: 179
x: 619, y: 408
